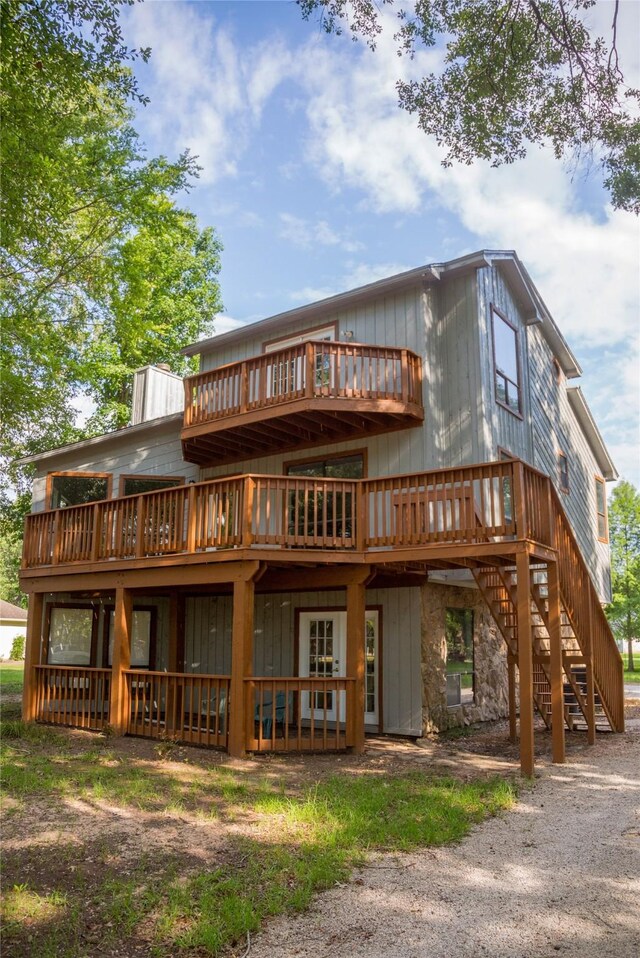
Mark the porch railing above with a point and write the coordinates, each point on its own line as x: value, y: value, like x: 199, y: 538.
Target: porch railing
x: 315, y: 369
x: 72, y: 696
x: 179, y: 706
x: 299, y: 714
x: 465, y: 505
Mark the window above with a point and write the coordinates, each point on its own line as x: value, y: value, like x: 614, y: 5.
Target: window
x: 341, y: 467
x: 460, y: 665
x: 323, y: 332
x: 287, y: 375
x: 332, y: 512
x: 76, y: 488
x: 143, y: 638
x: 72, y: 635
x: 563, y: 472
x: 507, y: 366
x: 136, y: 485
x: 601, y: 510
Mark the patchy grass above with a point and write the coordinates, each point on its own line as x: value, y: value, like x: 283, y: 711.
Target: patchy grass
x: 272, y: 845
x: 632, y: 675
x: 11, y: 679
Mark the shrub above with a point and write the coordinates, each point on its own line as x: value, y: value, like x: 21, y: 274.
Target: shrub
x: 17, y: 648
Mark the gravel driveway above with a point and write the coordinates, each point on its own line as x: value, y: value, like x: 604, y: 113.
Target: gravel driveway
x: 560, y: 875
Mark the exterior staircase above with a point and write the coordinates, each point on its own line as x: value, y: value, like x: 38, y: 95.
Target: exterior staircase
x: 498, y: 586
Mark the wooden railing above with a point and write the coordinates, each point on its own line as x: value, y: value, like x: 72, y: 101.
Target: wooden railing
x: 178, y: 706
x: 585, y: 612
x: 73, y: 696
x: 470, y: 504
x: 314, y: 369
x: 300, y: 714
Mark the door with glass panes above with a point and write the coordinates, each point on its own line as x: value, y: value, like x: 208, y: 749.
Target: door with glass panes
x: 323, y: 654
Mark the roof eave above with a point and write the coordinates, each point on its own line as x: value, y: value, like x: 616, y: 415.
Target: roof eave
x: 592, y: 433
x: 412, y: 277
x: 106, y: 438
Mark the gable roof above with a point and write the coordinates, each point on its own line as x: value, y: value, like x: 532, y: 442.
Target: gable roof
x: 10, y: 611
x: 525, y: 293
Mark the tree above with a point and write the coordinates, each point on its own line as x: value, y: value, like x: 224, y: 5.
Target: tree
x: 624, y: 531
x: 101, y: 270
x: 514, y: 73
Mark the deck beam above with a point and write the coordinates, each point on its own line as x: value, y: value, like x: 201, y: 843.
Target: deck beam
x: 122, y: 627
x: 32, y: 656
x: 525, y: 664
x: 556, y: 673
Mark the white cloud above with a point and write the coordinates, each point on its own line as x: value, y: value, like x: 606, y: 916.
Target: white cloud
x: 357, y: 275
x: 225, y: 324
x: 306, y: 235
x: 205, y: 94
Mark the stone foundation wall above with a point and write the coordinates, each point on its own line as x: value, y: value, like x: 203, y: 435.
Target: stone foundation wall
x: 491, y: 700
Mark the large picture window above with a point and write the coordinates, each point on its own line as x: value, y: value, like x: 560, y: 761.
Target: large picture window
x: 506, y: 363
x: 77, y: 488
x: 310, y: 514
x: 72, y: 635
x: 136, y: 485
x: 460, y: 664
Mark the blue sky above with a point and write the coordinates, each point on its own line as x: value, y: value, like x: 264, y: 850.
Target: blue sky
x: 316, y: 182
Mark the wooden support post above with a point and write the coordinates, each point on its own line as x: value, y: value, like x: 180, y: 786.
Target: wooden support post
x: 309, y: 369
x: 32, y: 655
x: 525, y: 664
x: 519, y: 508
x: 555, y: 665
x: 356, y: 659
x: 119, y: 702
x: 241, y: 664
x: 591, y: 687
x: 513, y: 720
x: 176, y: 656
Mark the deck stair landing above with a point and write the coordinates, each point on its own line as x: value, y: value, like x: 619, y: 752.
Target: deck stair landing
x: 498, y: 586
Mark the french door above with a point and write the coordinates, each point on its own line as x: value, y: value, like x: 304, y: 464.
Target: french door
x: 323, y: 655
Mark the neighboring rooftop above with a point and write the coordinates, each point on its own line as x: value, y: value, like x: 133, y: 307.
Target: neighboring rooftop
x: 10, y: 611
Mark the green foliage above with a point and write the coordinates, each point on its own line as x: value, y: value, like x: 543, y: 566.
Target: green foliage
x: 300, y: 842
x: 17, y: 648
x: 101, y: 271
x: 624, y: 531
x: 513, y: 73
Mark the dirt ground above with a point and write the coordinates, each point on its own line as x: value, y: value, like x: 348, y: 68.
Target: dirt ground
x: 52, y: 843
x: 560, y: 875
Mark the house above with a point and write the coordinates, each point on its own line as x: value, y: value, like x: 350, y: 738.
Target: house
x: 381, y: 512
x: 13, y: 624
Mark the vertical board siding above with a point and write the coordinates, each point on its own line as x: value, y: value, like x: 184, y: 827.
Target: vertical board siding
x: 556, y: 428
x: 157, y: 454
x: 208, y: 643
x: 549, y: 424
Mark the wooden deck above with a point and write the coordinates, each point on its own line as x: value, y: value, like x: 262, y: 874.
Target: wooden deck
x: 503, y: 520
x: 297, y: 397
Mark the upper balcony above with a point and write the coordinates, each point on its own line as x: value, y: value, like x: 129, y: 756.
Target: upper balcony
x: 316, y: 391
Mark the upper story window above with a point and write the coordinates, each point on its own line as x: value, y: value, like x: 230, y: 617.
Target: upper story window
x: 563, y: 472
x: 136, y: 485
x: 320, y: 332
x: 601, y: 509
x: 76, y: 488
x: 506, y: 363
x: 340, y: 467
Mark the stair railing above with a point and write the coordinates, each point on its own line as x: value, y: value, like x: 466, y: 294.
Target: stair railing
x: 580, y: 597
